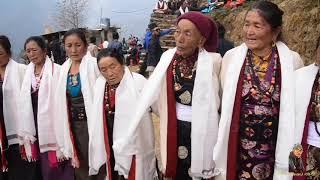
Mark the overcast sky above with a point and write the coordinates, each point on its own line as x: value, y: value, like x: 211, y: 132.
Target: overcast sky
x: 21, y: 19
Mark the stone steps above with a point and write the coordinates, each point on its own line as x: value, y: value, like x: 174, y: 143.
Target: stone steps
x: 158, y: 20
x: 169, y: 16
x: 168, y: 43
x: 165, y: 21
x: 168, y: 37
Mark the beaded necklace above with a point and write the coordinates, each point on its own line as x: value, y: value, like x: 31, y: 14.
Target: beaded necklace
x: 178, y: 74
x: 254, y: 80
x: 109, y: 95
x: 38, y: 77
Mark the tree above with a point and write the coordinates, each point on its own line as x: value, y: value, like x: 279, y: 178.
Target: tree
x: 71, y: 13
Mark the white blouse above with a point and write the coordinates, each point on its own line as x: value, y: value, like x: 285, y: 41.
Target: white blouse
x: 313, y: 137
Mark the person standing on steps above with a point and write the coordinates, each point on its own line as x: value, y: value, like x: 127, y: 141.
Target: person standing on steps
x: 154, y: 50
x: 148, y: 35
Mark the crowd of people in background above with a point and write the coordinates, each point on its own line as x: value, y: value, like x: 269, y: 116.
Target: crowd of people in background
x: 132, y: 47
x: 148, y: 53
x: 179, y: 7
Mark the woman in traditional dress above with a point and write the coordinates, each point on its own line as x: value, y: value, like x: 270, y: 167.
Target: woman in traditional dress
x: 185, y: 89
x: 11, y: 76
x: 5, y: 54
x: 36, y: 128
x: 116, y: 94
x: 73, y: 102
x: 307, y: 131
x: 257, y: 114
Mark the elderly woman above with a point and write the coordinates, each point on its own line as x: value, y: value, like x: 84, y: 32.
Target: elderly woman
x: 307, y: 131
x: 256, y: 128
x: 73, y: 100
x: 11, y: 76
x: 35, y: 105
x: 115, y: 95
x: 185, y: 87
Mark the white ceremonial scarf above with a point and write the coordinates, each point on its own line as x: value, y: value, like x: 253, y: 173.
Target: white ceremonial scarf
x: 304, y: 82
x: 45, y: 116
x: 205, y: 104
x: 161, y: 4
x: 183, y: 11
x: 88, y: 74
x: 126, y: 99
x: 13, y: 78
x: 231, y: 66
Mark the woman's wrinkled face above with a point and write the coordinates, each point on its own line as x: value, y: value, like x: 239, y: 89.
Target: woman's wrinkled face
x: 187, y: 37
x: 4, y: 56
x: 111, y: 69
x: 75, y: 47
x: 257, y: 33
x: 34, y: 53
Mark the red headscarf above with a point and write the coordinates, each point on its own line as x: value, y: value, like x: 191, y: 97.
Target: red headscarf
x: 207, y: 28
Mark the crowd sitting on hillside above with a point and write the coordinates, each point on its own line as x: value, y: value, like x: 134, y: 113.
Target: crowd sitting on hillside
x: 233, y: 4
x: 180, y: 7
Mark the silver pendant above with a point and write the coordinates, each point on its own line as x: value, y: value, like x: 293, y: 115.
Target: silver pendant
x: 185, y: 97
x: 182, y: 152
x: 177, y: 86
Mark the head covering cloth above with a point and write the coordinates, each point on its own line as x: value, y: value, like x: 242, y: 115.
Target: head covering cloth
x: 206, y: 27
